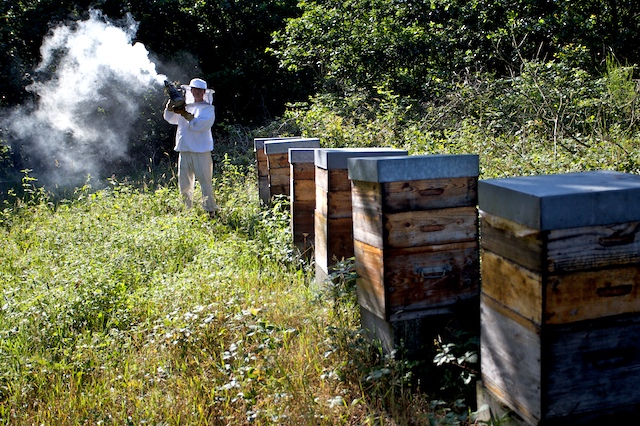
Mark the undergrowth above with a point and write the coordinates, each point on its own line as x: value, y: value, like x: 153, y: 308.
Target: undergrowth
x: 120, y: 306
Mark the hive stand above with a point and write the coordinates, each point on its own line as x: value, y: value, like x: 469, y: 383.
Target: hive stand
x: 560, y: 305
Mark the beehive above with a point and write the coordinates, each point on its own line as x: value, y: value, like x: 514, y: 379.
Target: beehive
x: 415, y: 230
x: 333, y: 222
x: 303, y: 196
x: 277, y: 153
x: 560, y: 312
x: 262, y: 167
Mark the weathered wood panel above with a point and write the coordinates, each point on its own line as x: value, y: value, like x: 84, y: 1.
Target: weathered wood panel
x: 280, y: 177
x: 366, y: 200
x: 279, y: 174
x: 593, y: 247
x: 559, y: 299
x: 369, y: 264
x: 333, y: 239
x: 303, y: 204
x: 303, y: 227
x: 333, y: 180
x: 320, y: 241
x: 593, y: 366
x: 261, y: 160
x: 278, y: 161
x: 595, y: 294
x: 512, y: 285
x: 429, y: 194
x: 428, y: 227
x: 303, y: 190
x: 303, y: 171
x: 511, y: 360
x: 335, y: 204
x: 563, y: 250
x: 513, y: 241
x: 418, y: 281
x: 263, y: 176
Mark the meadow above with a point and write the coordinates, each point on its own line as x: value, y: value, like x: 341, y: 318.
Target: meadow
x: 121, y: 307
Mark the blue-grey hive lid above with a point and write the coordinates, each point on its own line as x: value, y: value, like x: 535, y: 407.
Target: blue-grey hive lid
x: 337, y: 158
x: 258, y: 143
x: 282, y: 146
x: 562, y: 201
x: 415, y: 167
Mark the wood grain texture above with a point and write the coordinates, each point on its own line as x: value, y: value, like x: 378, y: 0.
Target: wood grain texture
x: 428, y: 227
x: 513, y: 241
x: 261, y: 160
x: 333, y: 239
x: 593, y: 247
x: 562, y: 298
x: 592, y: 294
x: 303, y: 171
x: 591, y: 367
x: 334, y: 204
x: 512, y: 285
x: 416, y: 281
x: 303, y: 190
x: 563, y: 250
x: 333, y: 180
x: 429, y: 194
x: 370, y: 290
x: 278, y: 161
x: 424, y: 278
x: 511, y: 361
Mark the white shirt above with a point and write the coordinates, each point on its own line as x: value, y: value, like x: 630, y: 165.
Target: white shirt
x: 194, y: 135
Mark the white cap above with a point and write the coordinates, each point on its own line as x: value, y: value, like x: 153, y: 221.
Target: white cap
x: 198, y: 83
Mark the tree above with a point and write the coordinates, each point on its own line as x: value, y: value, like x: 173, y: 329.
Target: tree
x: 417, y: 47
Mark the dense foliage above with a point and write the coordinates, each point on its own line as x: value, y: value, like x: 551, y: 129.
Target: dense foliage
x: 223, y: 41
x: 418, y: 48
x: 394, y: 71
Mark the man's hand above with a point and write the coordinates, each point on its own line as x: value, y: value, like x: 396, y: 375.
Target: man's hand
x: 187, y: 115
x: 170, y: 106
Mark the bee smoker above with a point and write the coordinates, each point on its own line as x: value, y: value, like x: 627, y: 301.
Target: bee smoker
x: 176, y: 95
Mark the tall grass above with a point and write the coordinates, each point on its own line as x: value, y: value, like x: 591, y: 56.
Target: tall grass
x: 119, y: 306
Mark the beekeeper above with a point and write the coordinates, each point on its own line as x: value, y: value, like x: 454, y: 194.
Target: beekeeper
x: 194, y: 142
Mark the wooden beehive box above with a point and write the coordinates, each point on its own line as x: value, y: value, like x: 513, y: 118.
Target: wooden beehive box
x: 560, y: 306
x: 303, y: 196
x: 333, y: 222
x: 277, y: 153
x: 415, y: 230
x: 262, y: 167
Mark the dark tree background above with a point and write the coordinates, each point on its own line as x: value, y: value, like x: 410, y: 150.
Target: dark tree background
x: 260, y: 55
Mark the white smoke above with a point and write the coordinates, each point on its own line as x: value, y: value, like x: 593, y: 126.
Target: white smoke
x: 89, y: 86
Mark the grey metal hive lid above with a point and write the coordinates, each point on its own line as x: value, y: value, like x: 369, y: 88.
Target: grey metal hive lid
x: 418, y: 167
x: 561, y: 201
x: 282, y: 146
x: 337, y: 158
x: 301, y: 155
x: 258, y: 143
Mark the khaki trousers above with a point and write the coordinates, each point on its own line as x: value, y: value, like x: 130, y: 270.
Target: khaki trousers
x: 192, y: 166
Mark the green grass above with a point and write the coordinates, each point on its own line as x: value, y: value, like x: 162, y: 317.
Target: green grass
x: 121, y: 307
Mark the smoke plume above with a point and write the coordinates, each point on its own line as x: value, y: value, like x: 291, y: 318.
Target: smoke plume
x: 88, y: 93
